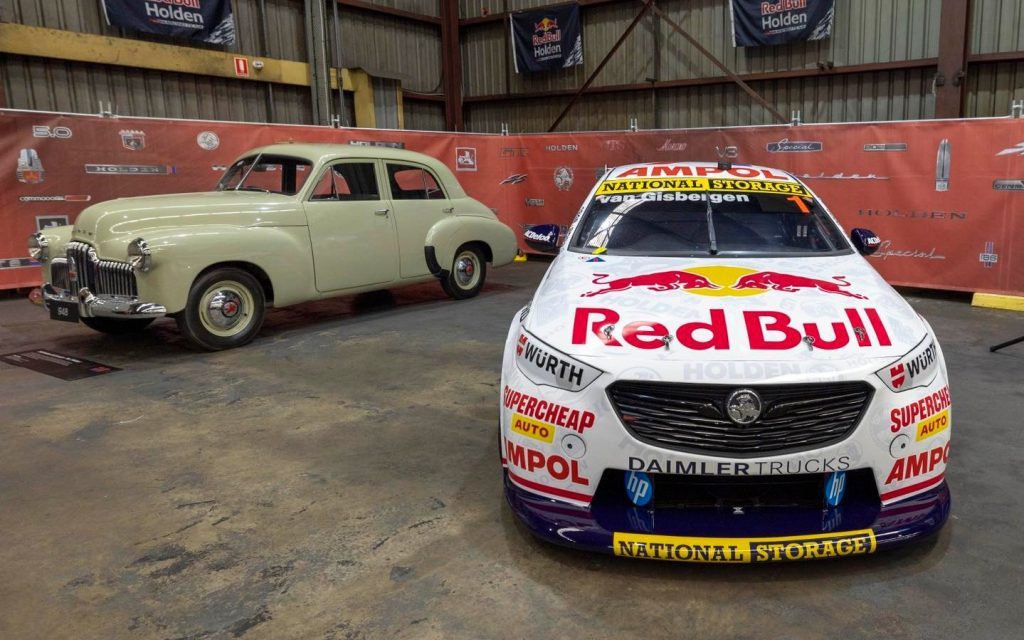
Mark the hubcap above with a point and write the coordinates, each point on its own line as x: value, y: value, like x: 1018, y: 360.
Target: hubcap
x: 466, y: 269
x: 226, y: 309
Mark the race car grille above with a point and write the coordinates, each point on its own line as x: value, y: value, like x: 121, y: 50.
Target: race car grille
x: 692, y: 417
x: 100, y: 276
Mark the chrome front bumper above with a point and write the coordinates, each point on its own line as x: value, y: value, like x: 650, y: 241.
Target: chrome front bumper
x: 91, y: 305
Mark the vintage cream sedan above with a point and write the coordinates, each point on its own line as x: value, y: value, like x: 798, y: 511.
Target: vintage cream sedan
x: 286, y: 224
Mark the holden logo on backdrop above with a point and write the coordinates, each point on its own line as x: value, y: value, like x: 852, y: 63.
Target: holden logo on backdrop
x: 465, y: 158
x: 563, y: 178
x: 208, y: 140
x: 59, y: 133
x: 1008, y: 185
x: 55, y: 198
x: 989, y: 257
x: 562, y: 147
x: 133, y: 139
x: 670, y: 145
x: 886, y: 146
x: 46, y: 222
x: 30, y: 167
x: 788, y: 146
x: 1015, y: 150
x: 515, y: 178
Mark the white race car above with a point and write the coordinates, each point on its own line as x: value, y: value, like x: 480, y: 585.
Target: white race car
x: 710, y: 371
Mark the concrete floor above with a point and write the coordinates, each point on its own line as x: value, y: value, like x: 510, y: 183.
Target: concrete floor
x: 338, y: 479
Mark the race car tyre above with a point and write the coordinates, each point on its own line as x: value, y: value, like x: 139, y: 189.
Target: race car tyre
x: 116, y: 327
x: 225, y: 309
x: 467, y: 274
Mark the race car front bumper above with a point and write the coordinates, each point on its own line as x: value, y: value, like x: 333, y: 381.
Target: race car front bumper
x: 731, y: 535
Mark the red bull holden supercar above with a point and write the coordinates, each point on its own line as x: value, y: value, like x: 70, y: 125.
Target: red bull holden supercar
x: 710, y: 371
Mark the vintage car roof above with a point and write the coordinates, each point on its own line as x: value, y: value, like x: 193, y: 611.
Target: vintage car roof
x: 324, y: 152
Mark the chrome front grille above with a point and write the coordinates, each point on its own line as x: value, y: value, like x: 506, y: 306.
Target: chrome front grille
x: 692, y: 417
x: 108, y: 277
x: 59, y: 274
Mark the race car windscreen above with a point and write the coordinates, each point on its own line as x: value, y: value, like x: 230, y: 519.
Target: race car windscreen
x: 679, y: 223
x: 267, y: 174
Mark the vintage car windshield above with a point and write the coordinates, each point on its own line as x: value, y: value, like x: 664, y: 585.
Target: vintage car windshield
x: 707, y: 223
x: 266, y: 173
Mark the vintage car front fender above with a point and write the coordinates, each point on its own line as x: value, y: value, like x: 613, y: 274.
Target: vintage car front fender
x: 445, y: 237
x: 282, y: 254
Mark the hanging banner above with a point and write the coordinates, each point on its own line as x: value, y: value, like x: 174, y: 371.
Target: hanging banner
x: 204, y: 20
x: 757, y: 23
x: 551, y: 38
x: 945, y: 196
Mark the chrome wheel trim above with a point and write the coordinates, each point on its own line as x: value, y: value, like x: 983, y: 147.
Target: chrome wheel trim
x: 467, y: 270
x: 226, y: 308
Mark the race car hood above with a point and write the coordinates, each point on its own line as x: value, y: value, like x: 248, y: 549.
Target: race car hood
x: 805, y: 309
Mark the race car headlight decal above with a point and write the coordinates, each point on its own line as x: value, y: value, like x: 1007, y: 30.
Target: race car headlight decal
x: 916, y: 369
x: 544, y: 365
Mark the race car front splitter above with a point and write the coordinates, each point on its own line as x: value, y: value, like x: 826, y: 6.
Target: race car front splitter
x: 730, y: 534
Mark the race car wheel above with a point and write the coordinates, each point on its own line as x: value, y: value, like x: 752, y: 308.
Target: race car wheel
x: 116, y: 327
x: 225, y: 310
x: 467, y: 274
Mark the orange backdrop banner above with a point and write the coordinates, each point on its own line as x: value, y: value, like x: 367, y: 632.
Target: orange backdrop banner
x: 945, y: 196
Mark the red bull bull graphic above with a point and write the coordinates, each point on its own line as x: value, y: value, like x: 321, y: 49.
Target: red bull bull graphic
x: 723, y: 281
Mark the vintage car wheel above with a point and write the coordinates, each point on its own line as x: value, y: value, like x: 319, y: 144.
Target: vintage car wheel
x: 467, y: 274
x: 225, y: 309
x: 116, y: 327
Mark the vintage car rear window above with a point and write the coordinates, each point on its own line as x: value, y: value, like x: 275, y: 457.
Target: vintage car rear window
x: 707, y: 223
x: 266, y: 173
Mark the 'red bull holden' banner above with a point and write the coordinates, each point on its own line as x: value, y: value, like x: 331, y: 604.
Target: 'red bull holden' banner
x: 203, y: 20
x: 945, y: 196
x: 767, y: 22
x: 548, y: 39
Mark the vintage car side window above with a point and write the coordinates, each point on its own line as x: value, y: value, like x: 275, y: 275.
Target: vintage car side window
x: 347, y: 182
x: 267, y: 173
x: 409, y: 182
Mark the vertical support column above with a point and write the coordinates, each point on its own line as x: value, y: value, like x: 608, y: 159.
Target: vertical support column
x: 362, y: 98
x: 451, y: 65
x: 954, y: 26
x: 319, y: 74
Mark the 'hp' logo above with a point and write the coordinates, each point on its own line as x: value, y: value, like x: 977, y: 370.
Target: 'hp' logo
x: 835, y: 487
x: 639, y: 488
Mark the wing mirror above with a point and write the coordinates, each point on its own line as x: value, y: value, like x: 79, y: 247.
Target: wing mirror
x: 542, y: 237
x: 865, y: 241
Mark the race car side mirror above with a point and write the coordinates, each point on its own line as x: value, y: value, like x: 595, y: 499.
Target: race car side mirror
x: 865, y: 241
x: 542, y: 237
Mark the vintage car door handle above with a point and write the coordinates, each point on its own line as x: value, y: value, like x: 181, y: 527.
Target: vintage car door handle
x: 448, y: 210
x: 381, y: 212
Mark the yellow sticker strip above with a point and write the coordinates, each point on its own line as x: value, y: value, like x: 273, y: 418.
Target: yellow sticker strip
x: 935, y: 424
x: 733, y: 185
x: 743, y: 550
x: 532, y: 429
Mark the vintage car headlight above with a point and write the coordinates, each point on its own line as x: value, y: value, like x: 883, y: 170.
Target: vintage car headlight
x: 38, y: 247
x: 916, y: 369
x: 140, y: 257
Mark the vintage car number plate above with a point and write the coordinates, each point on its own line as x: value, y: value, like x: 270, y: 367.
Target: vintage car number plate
x: 67, y: 311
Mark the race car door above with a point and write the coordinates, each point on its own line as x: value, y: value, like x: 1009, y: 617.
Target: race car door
x: 351, y: 227
x: 419, y: 203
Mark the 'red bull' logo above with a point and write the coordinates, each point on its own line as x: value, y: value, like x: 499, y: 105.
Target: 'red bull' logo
x: 723, y: 281
x: 763, y: 330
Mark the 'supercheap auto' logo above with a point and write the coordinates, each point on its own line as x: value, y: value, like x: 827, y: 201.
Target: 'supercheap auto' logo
x: 722, y: 281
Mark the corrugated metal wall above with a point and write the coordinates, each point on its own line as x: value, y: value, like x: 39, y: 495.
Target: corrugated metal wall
x: 386, y: 47
x: 865, y: 32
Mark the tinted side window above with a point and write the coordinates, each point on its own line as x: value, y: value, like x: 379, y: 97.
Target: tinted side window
x: 413, y: 183
x: 348, y: 182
